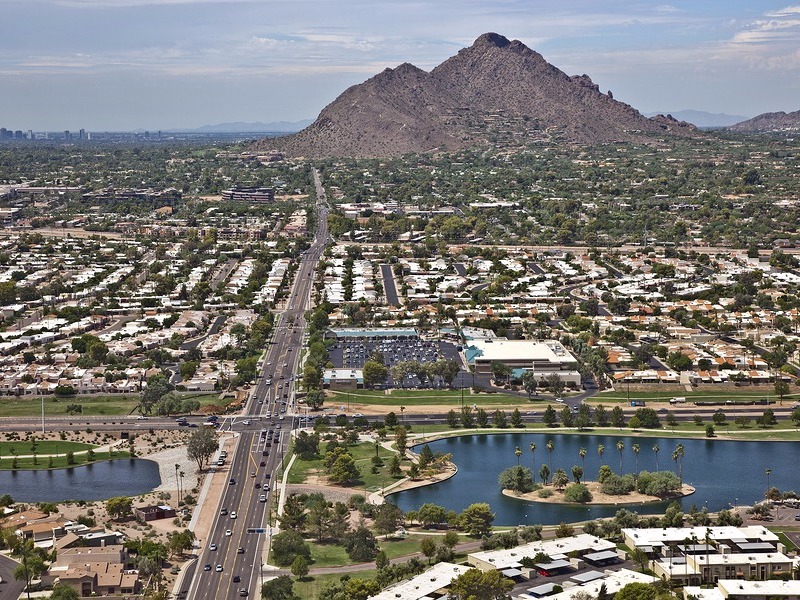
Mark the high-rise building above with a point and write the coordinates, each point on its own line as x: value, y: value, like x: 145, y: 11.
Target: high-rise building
x: 30, y: 134
x: 67, y: 135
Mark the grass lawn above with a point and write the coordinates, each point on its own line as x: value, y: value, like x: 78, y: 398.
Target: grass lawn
x: 328, y: 555
x: 424, y: 398
x: 42, y: 447
x: 784, y: 431
x: 784, y: 539
x: 312, y: 587
x: 744, y: 395
x: 43, y: 462
x: 116, y: 405
x: 362, y: 454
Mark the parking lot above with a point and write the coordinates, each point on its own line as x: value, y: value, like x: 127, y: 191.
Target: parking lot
x: 352, y: 353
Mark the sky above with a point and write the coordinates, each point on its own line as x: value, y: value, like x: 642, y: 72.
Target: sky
x: 111, y: 65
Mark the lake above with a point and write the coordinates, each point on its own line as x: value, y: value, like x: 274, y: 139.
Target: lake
x: 95, y: 481
x: 723, y: 472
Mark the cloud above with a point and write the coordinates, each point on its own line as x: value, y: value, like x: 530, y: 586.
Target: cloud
x: 771, y: 42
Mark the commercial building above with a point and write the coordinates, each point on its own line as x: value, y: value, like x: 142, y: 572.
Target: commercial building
x: 543, y: 358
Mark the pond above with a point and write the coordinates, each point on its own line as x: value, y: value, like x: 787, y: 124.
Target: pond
x: 723, y: 472
x: 95, y: 481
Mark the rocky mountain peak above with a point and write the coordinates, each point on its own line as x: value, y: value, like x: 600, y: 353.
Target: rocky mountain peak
x: 496, y: 91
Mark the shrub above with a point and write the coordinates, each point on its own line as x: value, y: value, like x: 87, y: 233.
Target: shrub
x: 517, y: 478
x: 617, y: 485
x: 545, y: 493
x: 577, y: 492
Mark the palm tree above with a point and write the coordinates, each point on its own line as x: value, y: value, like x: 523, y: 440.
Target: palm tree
x: 582, y: 454
x: 533, y: 454
x: 544, y: 473
x: 177, y: 482
x: 635, y: 449
x: 680, y: 451
x: 600, y: 450
x: 655, y: 451
x: 183, y: 489
x: 620, y: 448
x: 517, y: 453
x: 675, y: 458
x: 550, y: 447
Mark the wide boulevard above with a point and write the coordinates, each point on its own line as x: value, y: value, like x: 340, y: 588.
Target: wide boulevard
x: 234, y: 567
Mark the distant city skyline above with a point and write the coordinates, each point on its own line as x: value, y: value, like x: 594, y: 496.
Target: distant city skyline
x: 167, y: 64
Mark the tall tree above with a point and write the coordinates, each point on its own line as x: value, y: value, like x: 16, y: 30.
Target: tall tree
x: 201, y: 445
x: 477, y: 585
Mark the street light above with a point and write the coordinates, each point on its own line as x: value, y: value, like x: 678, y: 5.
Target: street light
x: 767, y: 472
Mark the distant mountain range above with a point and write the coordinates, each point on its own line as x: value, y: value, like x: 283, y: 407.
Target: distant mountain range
x: 773, y: 122
x: 238, y: 126
x: 703, y: 119
x: 495, y: 92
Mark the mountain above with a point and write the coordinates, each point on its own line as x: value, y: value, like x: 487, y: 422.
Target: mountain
x: 701, y: 118
x: 770, y: 123
x: 496, y: 92
x: 277, y: 127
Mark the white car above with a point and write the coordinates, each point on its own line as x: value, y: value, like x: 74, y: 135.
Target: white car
x: 228, y: 533
x: 233, y: 514
x: 246, y: 422
x: 212, y: 547
x: 262, y: 498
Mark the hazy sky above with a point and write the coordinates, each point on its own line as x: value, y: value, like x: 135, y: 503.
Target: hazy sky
x: 159, y: 64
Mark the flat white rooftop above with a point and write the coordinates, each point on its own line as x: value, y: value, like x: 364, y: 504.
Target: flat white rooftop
x: 680, y: 535
x: 438, y: 576
x: 509, y: 558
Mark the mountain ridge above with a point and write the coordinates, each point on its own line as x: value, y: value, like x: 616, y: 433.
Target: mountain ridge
x: 770, y: 122
x: 701, y: 118
x: 494, y: 91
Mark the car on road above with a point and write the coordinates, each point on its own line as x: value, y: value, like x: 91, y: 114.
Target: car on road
x: 243, y: 592
x: 252, y: 473
x: 246, y: 422
x: 141, y: 418
x: 212, y: 547
x: 228, y: 533
x: 240, y: 550
x: 262, y: 498
x: 258, y: 485
x: 262, y: 464
x: 223, y: 511
x: 218, y: 568
x: 233, y: 514
x: 236, y: 579
x: 207, y: 567
x: 231, y: 481
x: 559, y: 400
x: 797, y: 517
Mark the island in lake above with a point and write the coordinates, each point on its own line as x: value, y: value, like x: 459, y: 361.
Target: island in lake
x: 557, y: 495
